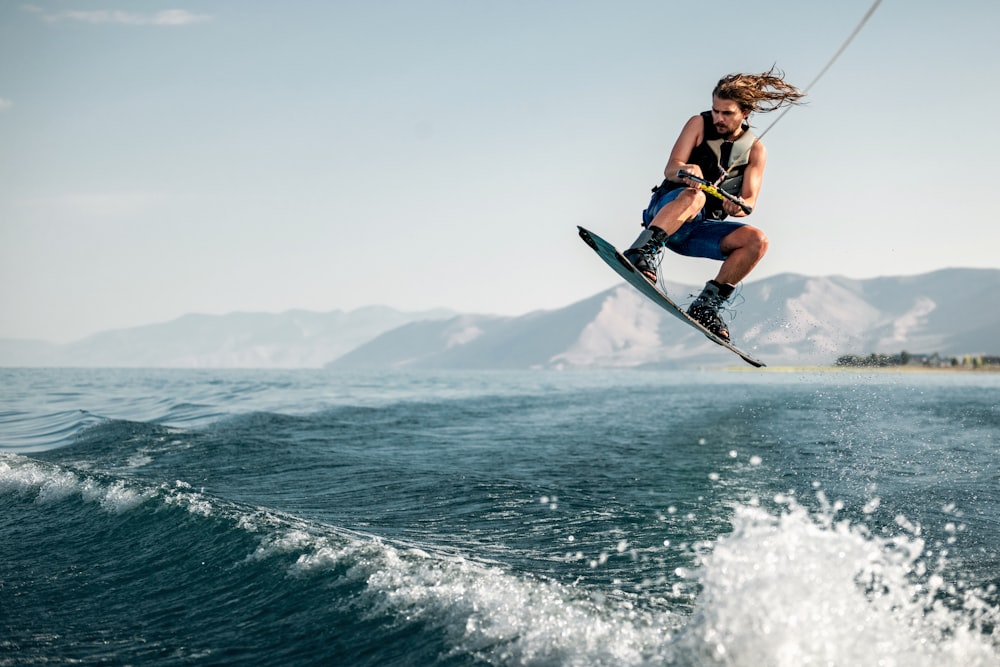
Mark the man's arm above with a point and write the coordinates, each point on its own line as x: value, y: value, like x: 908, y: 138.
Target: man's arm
x: 753, y: 175
x: 689, y: 137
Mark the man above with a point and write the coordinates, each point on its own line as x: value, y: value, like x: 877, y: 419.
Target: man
x: 717, y: 146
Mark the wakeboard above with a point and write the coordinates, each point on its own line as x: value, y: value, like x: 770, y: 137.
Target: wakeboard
x: 624, y: 268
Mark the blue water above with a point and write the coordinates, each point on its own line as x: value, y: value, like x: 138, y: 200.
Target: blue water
x: 619, y: 518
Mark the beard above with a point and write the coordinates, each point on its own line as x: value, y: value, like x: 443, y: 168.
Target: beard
x: 723, y: 130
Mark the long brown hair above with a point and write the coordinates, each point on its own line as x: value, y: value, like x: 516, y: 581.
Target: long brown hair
x: 762, y: 92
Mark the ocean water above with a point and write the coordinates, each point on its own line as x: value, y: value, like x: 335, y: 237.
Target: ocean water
x: 600, y: 518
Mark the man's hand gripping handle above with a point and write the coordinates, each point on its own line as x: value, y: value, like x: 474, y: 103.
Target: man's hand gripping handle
x: 708, y: 188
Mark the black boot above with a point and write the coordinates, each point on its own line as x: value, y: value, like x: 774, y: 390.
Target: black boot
x: 705, y: 309
x: 645, y: 252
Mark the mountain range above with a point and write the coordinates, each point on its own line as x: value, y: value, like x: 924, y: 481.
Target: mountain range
x: 293, y: 339
x: 784, y: 319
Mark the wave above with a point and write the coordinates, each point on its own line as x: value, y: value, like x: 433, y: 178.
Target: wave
x: 226, y: 581
x: 33, y: 432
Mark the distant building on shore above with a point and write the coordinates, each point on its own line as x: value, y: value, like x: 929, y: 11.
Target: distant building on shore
x: 904, y: 358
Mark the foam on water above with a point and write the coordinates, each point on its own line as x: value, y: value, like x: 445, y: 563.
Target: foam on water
x: 497, y: 616
x: 784, y: 588
x: 52, y: 484
x: 794, y: 588
x: 787, y: 586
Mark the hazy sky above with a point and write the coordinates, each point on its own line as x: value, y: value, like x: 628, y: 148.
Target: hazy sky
x: 160, y: 158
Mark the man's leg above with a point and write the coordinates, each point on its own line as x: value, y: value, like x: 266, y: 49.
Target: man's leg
x: 645, y: 251
x: 743, y: 248
x: 687, y: 205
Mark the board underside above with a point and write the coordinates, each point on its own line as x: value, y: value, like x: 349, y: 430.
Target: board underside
x: 634, y: 277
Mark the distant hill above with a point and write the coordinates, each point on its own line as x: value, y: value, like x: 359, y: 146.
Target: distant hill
x: 785, y: 319
x: 293, y: 339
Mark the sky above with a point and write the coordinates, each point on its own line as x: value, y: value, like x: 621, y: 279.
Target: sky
x: 159, y: 158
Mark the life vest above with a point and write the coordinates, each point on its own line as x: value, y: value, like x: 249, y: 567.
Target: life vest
x: 714, y: 155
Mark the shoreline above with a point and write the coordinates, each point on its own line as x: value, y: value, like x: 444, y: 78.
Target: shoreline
x: 872, y: 369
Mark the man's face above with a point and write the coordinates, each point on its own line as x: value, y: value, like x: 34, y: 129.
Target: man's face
x: 727, y: 116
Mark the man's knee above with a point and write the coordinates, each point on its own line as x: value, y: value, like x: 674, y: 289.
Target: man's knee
x: 685, y: 206
x: 693, y: 199
x: 749, y: 239
x: 760, y: 241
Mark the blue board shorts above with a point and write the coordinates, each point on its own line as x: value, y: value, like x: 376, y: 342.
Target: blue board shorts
x: 699, y: 236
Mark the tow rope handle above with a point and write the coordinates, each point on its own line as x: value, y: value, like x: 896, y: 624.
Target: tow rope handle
x: 708, y: 188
